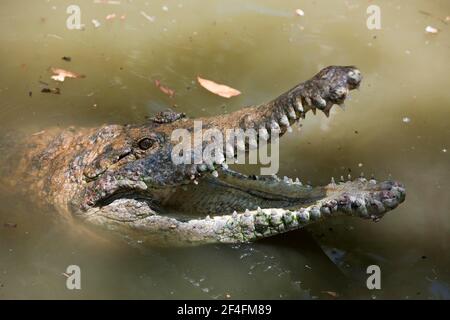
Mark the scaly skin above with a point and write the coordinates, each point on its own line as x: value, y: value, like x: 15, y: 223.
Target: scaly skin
x: 122, y: 178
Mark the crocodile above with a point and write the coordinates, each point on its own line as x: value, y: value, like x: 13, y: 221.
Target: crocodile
x: 123, y: 178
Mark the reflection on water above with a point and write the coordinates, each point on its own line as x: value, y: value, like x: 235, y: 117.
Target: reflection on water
x: 261, y: 48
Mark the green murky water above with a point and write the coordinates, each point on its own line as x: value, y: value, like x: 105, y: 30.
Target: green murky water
x: 261, y: 48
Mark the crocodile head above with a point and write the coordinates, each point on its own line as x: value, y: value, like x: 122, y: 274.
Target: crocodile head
x: 135, y: 188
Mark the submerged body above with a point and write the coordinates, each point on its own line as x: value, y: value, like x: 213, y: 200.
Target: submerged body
x: 122, y: 177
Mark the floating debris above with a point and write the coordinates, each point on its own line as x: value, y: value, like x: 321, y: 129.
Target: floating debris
x: 96, y: 23
x: 51, y: 35
x: 111, y: 16
x: 51, y: 90
x: 68, y: 59
x: 406, y: 120
x: 299, y: 12
x: 61, y: 74
x: 331, y: 294
x: 148, y: 17
x: 432, y: 30
x: 10, y: 225
x: 165, y: 8
x: 360, y: 164
x: 444, y: 150
x: 164, y: 89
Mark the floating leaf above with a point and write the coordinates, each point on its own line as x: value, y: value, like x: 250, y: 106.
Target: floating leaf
x: 61, y: 74
x: 164, y: 89
x: 219, y: 89
x: 111, y: 16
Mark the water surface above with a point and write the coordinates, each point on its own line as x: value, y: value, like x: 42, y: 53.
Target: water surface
x: 396, y: 125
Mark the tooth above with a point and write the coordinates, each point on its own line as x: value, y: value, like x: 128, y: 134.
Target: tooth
x: 290, y: 181
x: 326, y: 112
x: 284, y: 120
x: 264, y: 134
x: 299, y: 104
x: 208, y: 217
x: 315, y: 213
x: 234, y: 214
x: 202, y: 167
x: 297, y: 181
x: 275, y: 126
x: 308, y: 101
x: 332, y: 181
x: 286, y: 179
x: 349, y: 177
x: 341, y: 92
x: 291, y: 113
x: 325, y: 211
x: 303, y: 215
x: 289, y: 129
x: 320, y: 102
x: 224, y: 166
x: 342, y: 179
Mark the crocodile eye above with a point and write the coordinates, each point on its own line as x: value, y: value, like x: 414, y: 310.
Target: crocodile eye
x: 145, y: 143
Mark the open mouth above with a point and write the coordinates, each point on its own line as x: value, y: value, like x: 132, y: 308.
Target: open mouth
x: 234, y: 208
x: 211, y: 203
